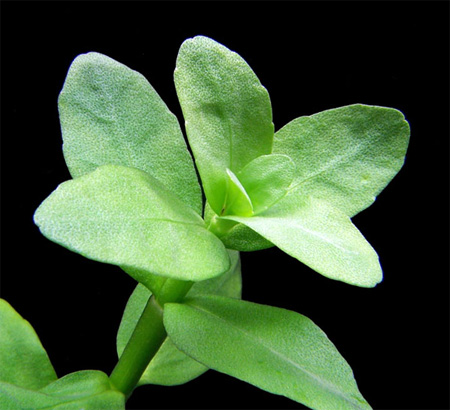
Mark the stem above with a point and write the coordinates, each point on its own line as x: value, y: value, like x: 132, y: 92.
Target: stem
x: 148, y: 336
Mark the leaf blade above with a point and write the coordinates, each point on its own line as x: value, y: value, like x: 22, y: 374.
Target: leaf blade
x: 88, y: 389
x: 227, y: 111
x: 267, y: 179
x: 110, y: 114
x: 125, y: 217
x: 25, y: 362
x: 255, y: 343
x: 345, y: 155
x: 320, y: 236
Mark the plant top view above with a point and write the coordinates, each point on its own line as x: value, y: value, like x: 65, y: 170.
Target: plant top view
x: 135, y: 201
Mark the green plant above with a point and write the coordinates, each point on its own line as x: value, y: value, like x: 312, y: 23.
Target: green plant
x: 135, y: 201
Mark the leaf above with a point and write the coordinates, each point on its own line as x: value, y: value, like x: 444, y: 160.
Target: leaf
x: 87, y: 390
x: 227, y: 111
x: 125, y: 217
x: 345, y: 156
x: 24, y: 362
x: 320, y: 236
x: 274, y: 349
x: 266, y: 180
x: 237, y: 200
x: 170, y: 366
x: 110, y: 114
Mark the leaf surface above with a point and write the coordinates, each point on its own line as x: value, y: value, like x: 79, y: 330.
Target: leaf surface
x: 24, y: 362
x: 125, y: 217
x: 170, y: 366
x: 274, y: 349
x: 237, y: 200
x: 227, y: 111
x: 346, y: 155
x: 321, y: 237
x: 266, y: 180
x: 87, y: 390
x: 110, y: 114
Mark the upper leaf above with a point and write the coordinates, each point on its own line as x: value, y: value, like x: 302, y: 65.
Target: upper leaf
x: 274, y: 349
x: 346, y: 155
x: 227, y: 111
x: 170, y: 366
x: 266, y: 180
x: 24, y: 362
x: 237, y: 201
x: 110, y: 114
x: 125, y: 217
x: 87, y: 390
x: 320, y: 236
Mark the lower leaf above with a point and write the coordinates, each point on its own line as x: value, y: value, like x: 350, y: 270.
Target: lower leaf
x: 170, y: 366
x: 87, y: 390
x: 23, y: 360
x: 274, y: 349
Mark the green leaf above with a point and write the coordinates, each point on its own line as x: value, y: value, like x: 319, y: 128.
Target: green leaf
x: 320, y: 236
x: 237, y: 200
x: 24, y: 362
x: 125, y: 217
x: 110, y: 114
x: 274, y: 349
x: 345, y: 156
x: 170, y: 366
x: 266, y: 180
x: 87, y: 390
x: 227, y: 111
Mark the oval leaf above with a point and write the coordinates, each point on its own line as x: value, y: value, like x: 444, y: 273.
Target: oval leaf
x: 274, y: 349
x: 110, y: 114
x: 345, y: 156
x: 320, y: 236
x: 125, y: 217
x: 170, y: 366
x: 227, y: 111
x: 24, y: 362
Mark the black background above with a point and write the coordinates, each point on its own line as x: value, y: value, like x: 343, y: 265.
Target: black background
x: 311, y: 56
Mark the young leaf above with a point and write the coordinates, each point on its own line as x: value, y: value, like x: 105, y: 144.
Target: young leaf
x: 87, y: 390
x: 266, y: 180
x: 24, y: 362
x: 227, y: 111
x: 237, y: 201
x: 170, y: 366
x: 234, y: 235
x: 110, y: 114
x: 125, y: 217
x: 274, y: 349
x: 320, y: 236
x: 345, y: 156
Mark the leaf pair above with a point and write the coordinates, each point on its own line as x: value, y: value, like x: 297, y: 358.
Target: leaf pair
x: 28, y: 380
x: 297, y: 188
x: 135, y: 200
x: 274, y: 349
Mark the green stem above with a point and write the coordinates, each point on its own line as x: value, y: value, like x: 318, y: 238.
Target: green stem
x: 148, y: 336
